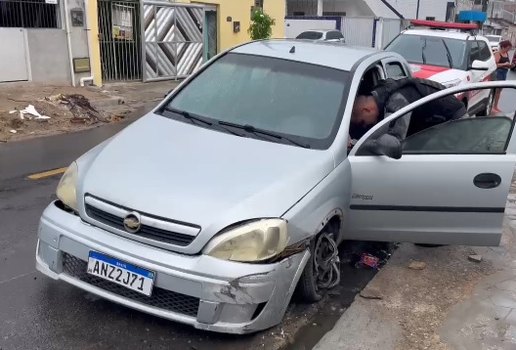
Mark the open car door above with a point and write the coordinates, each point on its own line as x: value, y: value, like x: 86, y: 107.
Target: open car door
x: 449, y: 185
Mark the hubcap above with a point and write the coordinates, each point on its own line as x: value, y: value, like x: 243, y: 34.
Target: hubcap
x: 326, y: 262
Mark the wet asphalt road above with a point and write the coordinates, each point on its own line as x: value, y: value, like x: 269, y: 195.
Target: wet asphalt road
x: 39, y: 313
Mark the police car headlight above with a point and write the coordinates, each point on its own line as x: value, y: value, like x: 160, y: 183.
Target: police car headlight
x: 452, y: 83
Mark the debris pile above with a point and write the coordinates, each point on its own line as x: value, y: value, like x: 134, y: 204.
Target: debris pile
x: 79, y: 106
x: 30, y: 112
x: 367, y: 255
x: 62, y: 112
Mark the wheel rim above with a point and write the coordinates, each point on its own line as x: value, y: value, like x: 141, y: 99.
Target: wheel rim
x: 326, y: 262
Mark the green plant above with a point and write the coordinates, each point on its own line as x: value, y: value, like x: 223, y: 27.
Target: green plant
x: 261, y: 25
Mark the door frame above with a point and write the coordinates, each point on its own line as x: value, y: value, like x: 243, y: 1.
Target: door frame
x: 404, y: 218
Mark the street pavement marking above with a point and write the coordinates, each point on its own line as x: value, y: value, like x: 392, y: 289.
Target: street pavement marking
x: 45, y: 174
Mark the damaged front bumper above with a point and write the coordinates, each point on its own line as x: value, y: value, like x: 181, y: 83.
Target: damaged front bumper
x: 201, y: 291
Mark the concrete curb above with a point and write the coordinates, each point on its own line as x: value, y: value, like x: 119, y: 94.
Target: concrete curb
x: 452, y: 303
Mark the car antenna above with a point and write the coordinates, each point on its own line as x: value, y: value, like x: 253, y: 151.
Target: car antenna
x: 293, y: 49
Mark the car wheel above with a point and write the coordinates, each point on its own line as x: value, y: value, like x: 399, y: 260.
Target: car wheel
x: 322, y: 271
x: 489, y: 105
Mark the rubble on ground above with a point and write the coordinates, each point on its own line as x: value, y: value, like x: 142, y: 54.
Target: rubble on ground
x: 475, y: 258
x: 417, y: 265
x: 61, y: 111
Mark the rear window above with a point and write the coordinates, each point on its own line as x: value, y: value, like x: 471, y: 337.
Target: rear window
x: 310, y: 35
x: 431, y: 50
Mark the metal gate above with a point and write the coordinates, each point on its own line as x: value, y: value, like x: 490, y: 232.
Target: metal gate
x: 119, y: 39
x: 173, y: 40
x: 358, y: 30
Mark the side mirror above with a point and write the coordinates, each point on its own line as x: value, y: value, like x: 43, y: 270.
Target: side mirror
x: 479, y: 65
x: 385, y: 145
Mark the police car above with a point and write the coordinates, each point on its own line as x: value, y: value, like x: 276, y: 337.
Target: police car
x: 451, y: 54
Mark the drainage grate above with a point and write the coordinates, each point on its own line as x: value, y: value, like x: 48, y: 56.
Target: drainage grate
x: 160, y: 298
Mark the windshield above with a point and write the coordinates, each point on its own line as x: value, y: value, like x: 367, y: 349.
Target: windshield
x: 493, y: 38
x: 297, y: 100
x: 310, y: 35
x: 431, y: 50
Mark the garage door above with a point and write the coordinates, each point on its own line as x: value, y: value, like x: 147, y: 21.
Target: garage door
x: 13, y: 55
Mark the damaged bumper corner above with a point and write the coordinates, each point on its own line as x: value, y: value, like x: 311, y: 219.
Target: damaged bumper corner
x: 201, y: 291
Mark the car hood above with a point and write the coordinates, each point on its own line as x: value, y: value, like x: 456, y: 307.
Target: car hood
x: 182, y: 172
x: 435, y: 73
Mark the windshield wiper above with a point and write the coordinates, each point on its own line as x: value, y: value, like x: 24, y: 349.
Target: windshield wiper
x: 188, y: 115
x: 253, y: 130
x: 448, y: 54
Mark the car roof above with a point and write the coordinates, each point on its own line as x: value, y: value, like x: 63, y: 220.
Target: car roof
x: 320, y: 30
x: 440, y: 33
x: 333, y: 55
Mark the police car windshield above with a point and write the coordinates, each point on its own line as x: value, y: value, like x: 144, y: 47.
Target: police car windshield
x: 294, y: 100
x: 431, y: 50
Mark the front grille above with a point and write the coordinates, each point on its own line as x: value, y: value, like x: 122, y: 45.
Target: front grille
x: 149, y: 232
x: 160, y: 298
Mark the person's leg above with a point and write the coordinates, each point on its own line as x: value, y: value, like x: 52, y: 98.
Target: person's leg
x: 498, y: 92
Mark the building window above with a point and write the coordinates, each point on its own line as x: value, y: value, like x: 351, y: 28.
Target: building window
x: 430, y: 18
x: 29, y: 14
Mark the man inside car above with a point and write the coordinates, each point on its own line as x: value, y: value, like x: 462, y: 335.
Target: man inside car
x: 391, y: 95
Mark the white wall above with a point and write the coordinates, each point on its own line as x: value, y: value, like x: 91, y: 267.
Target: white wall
x: 358, y: 8
x: 408, y: 8
x: 433, y: 8
x: 351, y: 7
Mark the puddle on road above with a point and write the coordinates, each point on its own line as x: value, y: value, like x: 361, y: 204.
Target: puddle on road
x: 353, y: 280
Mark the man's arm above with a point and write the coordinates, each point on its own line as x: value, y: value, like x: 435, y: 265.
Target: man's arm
x: 396, y: 102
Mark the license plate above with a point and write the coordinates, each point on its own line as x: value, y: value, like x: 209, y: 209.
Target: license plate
x: 122, y: 273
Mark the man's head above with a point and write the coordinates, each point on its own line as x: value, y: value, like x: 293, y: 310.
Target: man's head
x: 365, y: 111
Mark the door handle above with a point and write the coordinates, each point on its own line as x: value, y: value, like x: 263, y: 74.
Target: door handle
x: 487, y: 180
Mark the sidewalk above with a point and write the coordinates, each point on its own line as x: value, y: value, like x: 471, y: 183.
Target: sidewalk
x: 453, y: 303
x: 72, y: 108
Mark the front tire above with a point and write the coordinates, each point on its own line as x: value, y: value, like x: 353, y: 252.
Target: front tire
x: 322, y: 271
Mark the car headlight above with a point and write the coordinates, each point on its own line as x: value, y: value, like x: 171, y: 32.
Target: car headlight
x: 452, y: 83
x: 252, y: 242
x: 66, y: 189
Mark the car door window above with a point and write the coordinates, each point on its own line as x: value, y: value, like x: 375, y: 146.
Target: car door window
x: 334, y: 35
x: 484, y: 51
x: 487, y: 135
x: 474, y: 53
x: 394, y: 70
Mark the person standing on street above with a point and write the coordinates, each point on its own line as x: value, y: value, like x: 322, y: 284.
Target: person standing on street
x: 503, y: 64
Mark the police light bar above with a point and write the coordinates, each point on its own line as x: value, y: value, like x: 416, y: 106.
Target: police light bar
x: 443, y: 25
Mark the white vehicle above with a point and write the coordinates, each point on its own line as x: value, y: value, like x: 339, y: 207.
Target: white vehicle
x: 451, y: 58
x: 322, y: 35
x: 494, y: 41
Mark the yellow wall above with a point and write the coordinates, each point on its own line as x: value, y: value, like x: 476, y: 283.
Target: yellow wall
x: 93, y: 32
x: 240, y: 10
